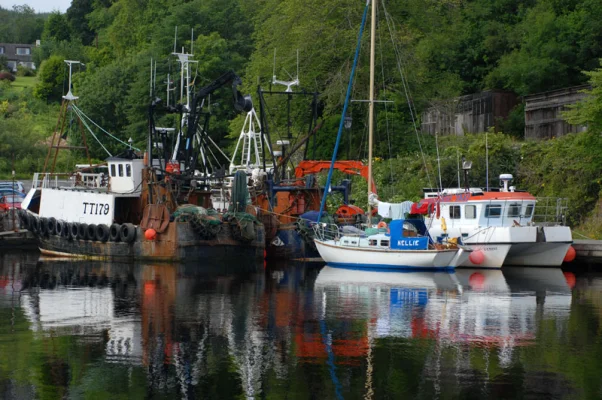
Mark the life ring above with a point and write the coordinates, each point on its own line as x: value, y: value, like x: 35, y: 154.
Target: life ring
x: 82, y: 231
x: 381, y: 224
x: 102, y: 232
x: 115, y: 233
x: 91, y: 232
x: 51, y: 226
x: 127, y: 233
x: 74, y: 230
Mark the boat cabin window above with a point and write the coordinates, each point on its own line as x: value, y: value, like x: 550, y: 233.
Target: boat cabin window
x: 120, y: 167
x: 454, y: 212
x: 470, y: 211
x: 128, y: 170
x: 514, y: 210
x: 493, y: 211
x: 113, y: 173
x: 529, y: 210
x: 384, y: 243
x: 372, y: 242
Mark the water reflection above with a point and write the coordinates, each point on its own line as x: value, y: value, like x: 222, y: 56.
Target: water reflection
x: 75, y: 329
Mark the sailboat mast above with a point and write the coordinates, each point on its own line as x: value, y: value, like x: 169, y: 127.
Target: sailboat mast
x: 371, y: 106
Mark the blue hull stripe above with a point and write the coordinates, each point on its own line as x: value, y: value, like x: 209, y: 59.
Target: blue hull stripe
x: 388, y: 267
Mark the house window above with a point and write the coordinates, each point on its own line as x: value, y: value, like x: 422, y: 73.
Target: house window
x: 470, y: 212
x: 113, y: 170
x: 514, y: 210
x: 23, y: 51
x: 454, y: 212
x: 493, y: 211
x: 128, y: 169
x: 529, y: 210
x: 1, y: 50
x: 120, y: 169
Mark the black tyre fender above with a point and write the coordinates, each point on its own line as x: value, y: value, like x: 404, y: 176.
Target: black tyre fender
x: 74, y: 230
x: 115, y: 233
x: 36, y: 224
x: 43, y: 226
x: 59, y: 228
x: 82, y: 231
x: 91, y: 232
x: 127, y: 233
x: 102, y: 233
x: 51, y: 226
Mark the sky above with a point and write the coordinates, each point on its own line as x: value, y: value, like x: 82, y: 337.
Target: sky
x: 39, y: 5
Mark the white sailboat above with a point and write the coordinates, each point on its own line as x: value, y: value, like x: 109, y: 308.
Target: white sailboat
x: 407, y: 245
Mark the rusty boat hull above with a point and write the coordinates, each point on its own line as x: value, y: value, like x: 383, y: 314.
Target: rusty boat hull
x: 177, y: 244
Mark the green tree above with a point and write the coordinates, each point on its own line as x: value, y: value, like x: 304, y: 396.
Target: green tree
x: 56, y: 28
x: 50, y: 79
x: 589, y: 110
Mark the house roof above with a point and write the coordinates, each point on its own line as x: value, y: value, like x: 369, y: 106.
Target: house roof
x: 10, y: 51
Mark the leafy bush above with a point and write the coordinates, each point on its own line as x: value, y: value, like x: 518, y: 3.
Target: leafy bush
x: 25, y: 71
x: 7, y: 76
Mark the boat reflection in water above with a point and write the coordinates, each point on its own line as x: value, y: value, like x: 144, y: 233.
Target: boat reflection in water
x: 239, y: 330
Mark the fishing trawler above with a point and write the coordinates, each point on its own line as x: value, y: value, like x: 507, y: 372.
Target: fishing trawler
x: 151, y: 206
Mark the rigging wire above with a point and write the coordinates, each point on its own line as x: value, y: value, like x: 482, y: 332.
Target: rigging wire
x: 82, y: 115
x: 391, y: 26
x: 382, y: 65
x: 77, y: 112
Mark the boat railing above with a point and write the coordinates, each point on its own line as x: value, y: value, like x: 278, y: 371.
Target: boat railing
x: 325, y: 231
x: 53, y: 180
x: 550, y: 211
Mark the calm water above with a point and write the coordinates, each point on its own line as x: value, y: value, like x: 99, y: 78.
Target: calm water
x: 295, y: 331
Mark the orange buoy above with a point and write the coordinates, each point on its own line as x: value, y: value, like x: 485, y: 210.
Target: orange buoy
x: 150, y: 234
x: 477, y: 280
x: 570, y: 254
x: 381, y: 224
x: 477, y: 257
x: 570, y: 279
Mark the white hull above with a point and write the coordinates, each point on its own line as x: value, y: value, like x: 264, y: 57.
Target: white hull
x: 548, y: 251
x: 542, y: 254
x: 338, y: 255
x: 494, y: 255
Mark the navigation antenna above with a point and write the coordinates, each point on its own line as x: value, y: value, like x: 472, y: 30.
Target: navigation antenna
x: 288, y: 84
x: 62, y: 125
x: 185, y: 61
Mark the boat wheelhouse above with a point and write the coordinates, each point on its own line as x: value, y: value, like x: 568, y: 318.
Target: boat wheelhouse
x: 499, y: 226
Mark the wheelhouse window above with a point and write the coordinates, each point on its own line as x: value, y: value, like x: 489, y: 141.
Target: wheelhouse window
x: 120, y: 169
x: 493, y: 211
x: 470, y: 211
x: 1, y: 50
x: 529, y: 210
x: 128, y: 169
x: 384, y: 243
x: 113, y: 173
x: 372, y: 242
x: 23, y: 51
x: 514, y: 210
x: 454, y: 212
